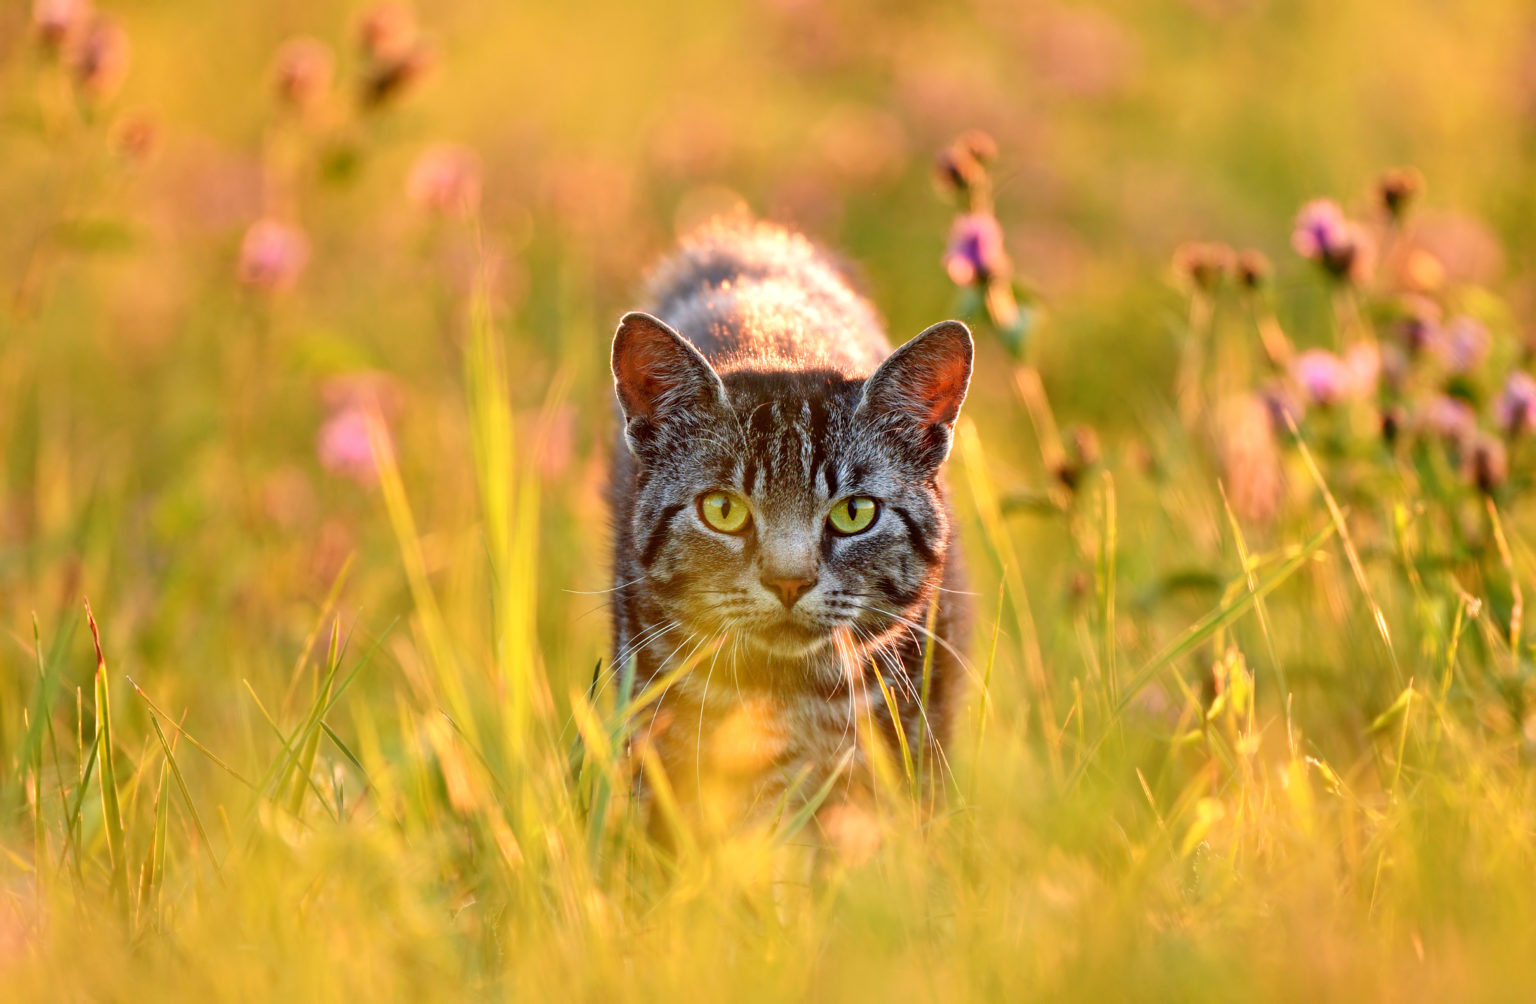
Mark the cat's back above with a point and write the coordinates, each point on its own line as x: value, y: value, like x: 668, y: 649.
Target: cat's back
x: 755, y: 296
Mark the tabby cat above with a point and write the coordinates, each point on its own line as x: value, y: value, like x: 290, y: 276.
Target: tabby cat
x: 781, y: 523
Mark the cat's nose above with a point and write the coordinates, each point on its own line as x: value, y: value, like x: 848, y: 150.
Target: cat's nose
x: 789, y: 590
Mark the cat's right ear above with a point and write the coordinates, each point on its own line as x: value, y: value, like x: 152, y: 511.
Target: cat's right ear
x: 659, y: 377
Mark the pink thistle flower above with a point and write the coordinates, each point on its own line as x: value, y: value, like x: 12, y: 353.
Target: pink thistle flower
x: 344, y: 446
x: 302, y: 72
x: 98, y: 58
x: 396, y: 56
x: 445, y: 179
x: 1324, y: 378
x: 57, y: 22
x: 1419, y: 326
x: 1451, y: 418
x: 1463, y: 344
x: 1202, y: 265
x: 387, y: 32
x: 1320, y: 228
x: 975, y: 252
x: 272, y: 255
x: 1516, y: 408
x: 1342, y: 247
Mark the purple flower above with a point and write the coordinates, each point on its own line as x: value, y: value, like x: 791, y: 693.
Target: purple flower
x: 344, y: 448
x: 272, y: 255
x: 1419, y: 326
x: 1463, y: 344
x: 975, y: 252
x: 1516, y: 407
x: 1320, y: 228
x: 1339, y: 245
x: 1324, y: 378
x: 1451, y: 419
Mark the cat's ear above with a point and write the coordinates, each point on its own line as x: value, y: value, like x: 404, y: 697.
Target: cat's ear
x: 658, y: 376
x: 918, y: 390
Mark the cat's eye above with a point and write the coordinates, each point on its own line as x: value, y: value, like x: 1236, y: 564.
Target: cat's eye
x: 725, y: 511
x: 854, y: 514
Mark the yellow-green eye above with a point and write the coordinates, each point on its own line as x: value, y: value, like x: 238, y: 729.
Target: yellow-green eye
x: 854, y: 514
x: 725, y: 511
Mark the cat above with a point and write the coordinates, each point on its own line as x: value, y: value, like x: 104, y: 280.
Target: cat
x: 781, y: 524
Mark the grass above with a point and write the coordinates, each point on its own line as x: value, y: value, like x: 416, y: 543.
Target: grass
x: 326, y: 730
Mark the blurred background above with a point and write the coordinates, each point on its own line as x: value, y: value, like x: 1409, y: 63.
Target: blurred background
x: 228, y: 226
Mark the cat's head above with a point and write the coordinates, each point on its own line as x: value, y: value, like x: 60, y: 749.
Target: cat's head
x: 785, y: 508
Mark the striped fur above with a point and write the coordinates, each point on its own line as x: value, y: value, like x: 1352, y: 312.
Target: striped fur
x: 761, y: 371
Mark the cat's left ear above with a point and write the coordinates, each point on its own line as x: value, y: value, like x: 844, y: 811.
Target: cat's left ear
x: 918, y: 390
x: 660, y: 378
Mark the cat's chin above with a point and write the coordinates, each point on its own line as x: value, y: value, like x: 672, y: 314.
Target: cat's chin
x: 788, y: 641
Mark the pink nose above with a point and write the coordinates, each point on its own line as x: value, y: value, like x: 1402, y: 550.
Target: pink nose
x: 789, y: 590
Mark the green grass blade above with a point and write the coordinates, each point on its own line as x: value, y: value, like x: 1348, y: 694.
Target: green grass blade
x: 111, y: 811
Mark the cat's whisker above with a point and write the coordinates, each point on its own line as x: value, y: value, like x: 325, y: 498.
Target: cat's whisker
x: 900, y: 679
x: 923, y: 630
x: 610, y: 589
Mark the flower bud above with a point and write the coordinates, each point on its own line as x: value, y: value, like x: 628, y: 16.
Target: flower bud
x: 302, y: 72
x: 1488, y: 464
x: 1201, y: 266
x: 1253, y: 270
x: 57, y: 22
x: 98, y: 59
x: 1398, y: 189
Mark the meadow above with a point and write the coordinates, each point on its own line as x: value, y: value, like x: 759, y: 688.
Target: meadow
x: 305, y: 416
